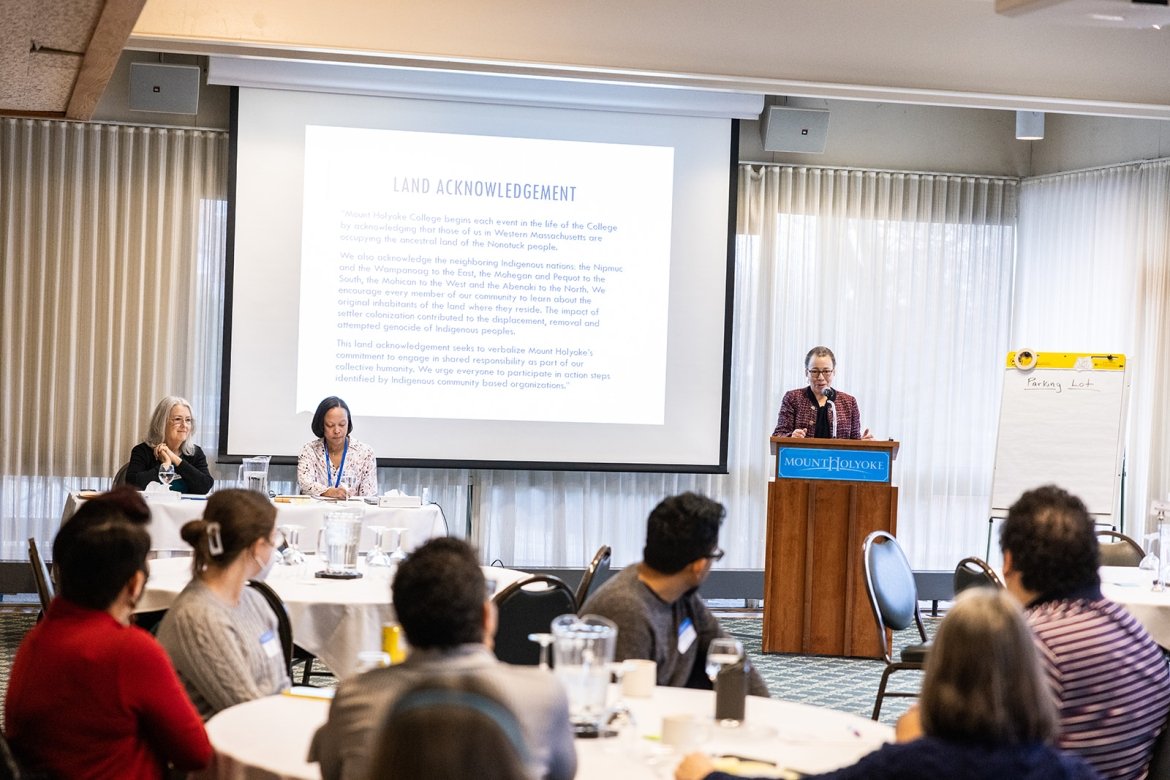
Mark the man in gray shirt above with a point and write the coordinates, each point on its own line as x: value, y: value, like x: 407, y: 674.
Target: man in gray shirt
x: 441, y: 600
x: 656, y: 604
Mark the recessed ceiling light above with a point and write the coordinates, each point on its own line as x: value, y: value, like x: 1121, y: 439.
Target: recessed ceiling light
x: 1106, y: 18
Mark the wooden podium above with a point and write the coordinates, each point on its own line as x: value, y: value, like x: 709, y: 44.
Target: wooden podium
x: 827, y: 496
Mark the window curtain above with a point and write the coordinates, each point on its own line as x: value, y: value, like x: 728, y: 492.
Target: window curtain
x: 1094, y: 275
x: 112, y: 241
x: 908, y: 277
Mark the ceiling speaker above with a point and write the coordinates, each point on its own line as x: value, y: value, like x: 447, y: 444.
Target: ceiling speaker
x: 167, y: 89
x: 784, y: 129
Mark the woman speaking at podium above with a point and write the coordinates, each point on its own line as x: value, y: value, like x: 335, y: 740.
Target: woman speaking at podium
x: 818, y: 410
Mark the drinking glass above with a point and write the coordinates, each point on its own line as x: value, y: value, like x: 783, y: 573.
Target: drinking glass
x: 292, y: 555
x: 723, y: 651
x: 377, y: 556
x: 398, y: 555
x: 166, y: 474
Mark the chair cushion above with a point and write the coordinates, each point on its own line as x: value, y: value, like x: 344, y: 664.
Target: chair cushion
x: 915, y: 654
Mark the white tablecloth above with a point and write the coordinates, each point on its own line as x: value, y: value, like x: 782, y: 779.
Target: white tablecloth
x: 269, y: 738
x: 169, y: 514
x: 1132, y: 588
x: 332, y: 619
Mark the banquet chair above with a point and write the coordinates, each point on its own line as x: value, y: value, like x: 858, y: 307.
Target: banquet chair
x: 524, y: 608
x: 1160, y: 758
x: 41, y: 577
x: 10, y: 768
x: 598, y: 566
x: 120, y: 476
x: 893, y: 596
x: 1117, y: 549
x: 974, y: 572
x: 283, y: 625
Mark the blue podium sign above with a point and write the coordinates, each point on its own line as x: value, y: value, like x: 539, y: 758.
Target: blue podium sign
x: 833, y: 464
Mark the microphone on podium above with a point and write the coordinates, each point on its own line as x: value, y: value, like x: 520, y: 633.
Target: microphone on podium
x: 829, y: 394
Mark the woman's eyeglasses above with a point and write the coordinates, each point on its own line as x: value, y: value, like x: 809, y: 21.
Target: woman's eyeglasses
x: 820, y: 372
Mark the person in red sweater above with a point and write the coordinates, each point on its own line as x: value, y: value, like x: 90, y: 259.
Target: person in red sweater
x: 90, y: 695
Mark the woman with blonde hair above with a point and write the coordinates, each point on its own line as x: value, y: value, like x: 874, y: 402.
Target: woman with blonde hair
x: 221, y: 635
x: 169, y: 441
x: 985, y: 711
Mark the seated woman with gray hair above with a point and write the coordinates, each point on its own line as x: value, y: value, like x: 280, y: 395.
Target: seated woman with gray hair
x: 985, y: 711
x: 168, y: 441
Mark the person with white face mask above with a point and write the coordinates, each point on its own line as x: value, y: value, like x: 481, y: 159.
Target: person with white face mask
x: 819, y: 410
x: 221, y: 635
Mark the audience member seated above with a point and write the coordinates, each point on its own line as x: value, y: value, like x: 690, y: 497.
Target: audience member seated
x: 335, y: 464
x: 451, y: 728
x: 442, y: 603
x: 90, y: 695
x: 656, y: 603
x: 221, y: 635
x: 1109, y: 677
x: 169, y: 441
x: 985, y: 712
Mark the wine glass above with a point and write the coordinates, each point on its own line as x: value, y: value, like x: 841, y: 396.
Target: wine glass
x: 544, y: 640
x: 166, y: 474
x: 398, y: 555
x: 722, y: 652
x: 377, y: 556
x: 292, y: 555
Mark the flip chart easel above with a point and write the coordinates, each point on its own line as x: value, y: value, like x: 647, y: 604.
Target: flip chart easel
x: 1062, y: 422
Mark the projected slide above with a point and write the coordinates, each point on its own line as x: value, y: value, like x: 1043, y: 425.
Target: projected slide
x: 486, y: 285
x: 448, y: 276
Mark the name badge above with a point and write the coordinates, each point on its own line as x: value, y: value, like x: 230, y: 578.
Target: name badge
x: 686, y: 635
x: 270, y: 644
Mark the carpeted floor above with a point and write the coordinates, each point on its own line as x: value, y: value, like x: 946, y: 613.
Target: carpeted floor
x: 846, y: 684
x: 842, y: 684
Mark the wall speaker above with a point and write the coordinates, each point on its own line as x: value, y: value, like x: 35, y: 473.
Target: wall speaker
x: 167, y: 89
x: 784, y: 129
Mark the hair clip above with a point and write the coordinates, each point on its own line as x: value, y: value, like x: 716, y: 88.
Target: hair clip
x: 214, y: 539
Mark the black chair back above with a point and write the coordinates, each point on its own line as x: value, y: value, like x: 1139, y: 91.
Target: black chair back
x: 120, y: 476
x: 526, y: 608
x: 1160, y: 759
x: 974, y: 573
x: 1117, y: 549
x: 283, y: 624
x: 599, y: 566
x: 10, y: 768
x: 893, y: 595
x: 41, y: 577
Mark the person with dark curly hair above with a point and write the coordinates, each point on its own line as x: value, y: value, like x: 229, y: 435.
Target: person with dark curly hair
x: 1108, y: 675
x: 442, y: 602
x: 656, y: 603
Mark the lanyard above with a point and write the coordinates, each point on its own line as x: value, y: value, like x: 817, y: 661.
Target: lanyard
x: 340, y: 467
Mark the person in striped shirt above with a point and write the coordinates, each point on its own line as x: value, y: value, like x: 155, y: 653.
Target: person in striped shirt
x: 1110, y: 679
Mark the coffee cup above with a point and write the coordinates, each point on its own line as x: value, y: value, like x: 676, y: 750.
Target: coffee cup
x: 685, y: 732
x: 639, y: 676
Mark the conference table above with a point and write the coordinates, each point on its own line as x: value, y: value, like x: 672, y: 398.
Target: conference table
x: 332, y: 619
x: 169, y: 511
x: 1133, y: 588
x: 269, y: 738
